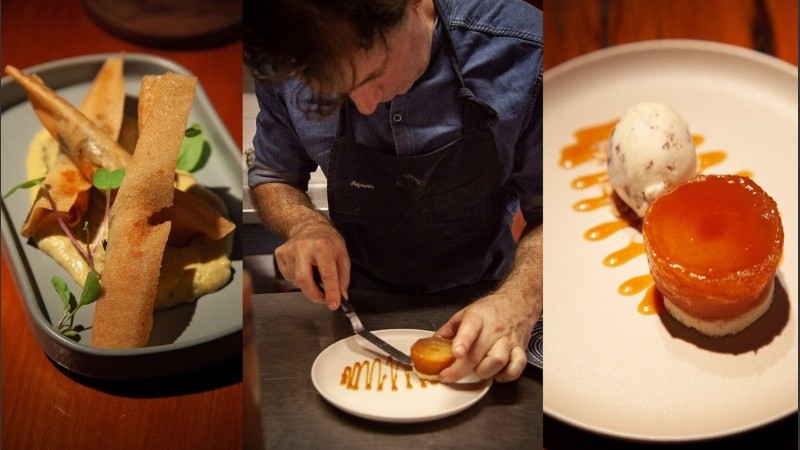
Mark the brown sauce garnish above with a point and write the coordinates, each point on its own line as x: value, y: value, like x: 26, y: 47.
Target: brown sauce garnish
x: 623, y: 255
x: 590, y: 145
x: 375, y: 374
x: 589, y: 180
x: 604, y: 230
x: 585, y: 149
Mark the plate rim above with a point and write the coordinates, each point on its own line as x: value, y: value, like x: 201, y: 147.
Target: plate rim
x: 678, y: 45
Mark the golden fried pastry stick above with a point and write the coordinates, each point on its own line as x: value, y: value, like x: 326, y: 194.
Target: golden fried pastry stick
x: 90, y: 147
x: 104, y: 104
x: 123, y: 316
x: 87, y: 145
x: 105, y: 101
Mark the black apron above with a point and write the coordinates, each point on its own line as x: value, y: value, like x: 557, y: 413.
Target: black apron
x: 421, y: 223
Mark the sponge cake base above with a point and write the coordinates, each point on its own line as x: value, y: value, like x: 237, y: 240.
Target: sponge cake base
x: 717, y: 328
x: 425, y: 376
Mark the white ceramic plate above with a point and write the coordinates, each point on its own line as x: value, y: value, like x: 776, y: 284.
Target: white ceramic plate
x: 404, y: 405
x: 610, y: 369
x: 183, y: 338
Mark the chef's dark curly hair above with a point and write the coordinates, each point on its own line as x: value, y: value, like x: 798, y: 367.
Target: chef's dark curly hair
x: 310, y: 39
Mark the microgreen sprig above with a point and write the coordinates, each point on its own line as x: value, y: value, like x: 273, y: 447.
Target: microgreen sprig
x: 40, y: 182
x: 24, y: 185
x: 91, y: 290
x: 106, y: 181
x: 103, y: 179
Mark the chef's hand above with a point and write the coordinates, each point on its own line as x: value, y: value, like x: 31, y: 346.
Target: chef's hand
x: 316, y: 246
x: 489, y: 337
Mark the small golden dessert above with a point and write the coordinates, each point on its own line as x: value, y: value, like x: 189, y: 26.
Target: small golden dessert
x: 713, y: 244
x: 432, y: 355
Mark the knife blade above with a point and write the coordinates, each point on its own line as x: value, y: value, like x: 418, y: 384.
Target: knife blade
x: 359, y: 329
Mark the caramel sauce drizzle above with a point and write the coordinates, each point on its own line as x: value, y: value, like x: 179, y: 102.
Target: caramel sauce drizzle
x: 584, y: 150
x: 623, y: 255
x: 590, y: 141
x: 604, y: 230
x: 373, y: 371
x: 709, y: 159
x: 589, y: 180
x: 652, y: 302
x: 590, y: 204
x: 635, y: 285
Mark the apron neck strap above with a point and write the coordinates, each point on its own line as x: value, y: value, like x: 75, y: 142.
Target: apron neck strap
x: 476, y: 111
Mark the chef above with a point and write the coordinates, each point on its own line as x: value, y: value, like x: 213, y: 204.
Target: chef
x: 425, y: 116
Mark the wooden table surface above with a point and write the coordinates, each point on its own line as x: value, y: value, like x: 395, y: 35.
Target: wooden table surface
x: 573, y: 28
x: 44, y: 406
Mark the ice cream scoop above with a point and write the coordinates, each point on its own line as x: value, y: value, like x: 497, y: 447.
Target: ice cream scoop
x: 651, y: 150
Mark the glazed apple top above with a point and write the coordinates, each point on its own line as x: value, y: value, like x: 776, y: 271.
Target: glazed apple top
x: 716, y: 226
x: 432, y: 355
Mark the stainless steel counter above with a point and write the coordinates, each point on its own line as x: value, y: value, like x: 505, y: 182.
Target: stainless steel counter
x: 290, y: 332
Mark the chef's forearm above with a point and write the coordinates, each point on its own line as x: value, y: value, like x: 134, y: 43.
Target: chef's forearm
x: 284, y: 209
x: 524, y: 280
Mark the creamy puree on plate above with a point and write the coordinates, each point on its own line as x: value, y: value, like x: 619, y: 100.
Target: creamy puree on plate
x: 187, y: 272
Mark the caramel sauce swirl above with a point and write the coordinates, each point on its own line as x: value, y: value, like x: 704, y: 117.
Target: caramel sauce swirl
x: 591, y: 144
x: 378, y: 371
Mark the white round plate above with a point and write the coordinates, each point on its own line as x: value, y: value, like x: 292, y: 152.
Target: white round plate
x: 405, y: 405
x: 610, y: 369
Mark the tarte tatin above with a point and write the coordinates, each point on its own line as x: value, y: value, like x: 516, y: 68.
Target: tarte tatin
x: 713, y: 244
x: 431, y: 355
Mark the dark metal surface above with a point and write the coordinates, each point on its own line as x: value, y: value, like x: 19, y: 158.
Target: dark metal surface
x: 291, y: 331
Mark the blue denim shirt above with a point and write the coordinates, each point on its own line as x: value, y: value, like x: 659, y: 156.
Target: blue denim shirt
x: 499, y: 47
